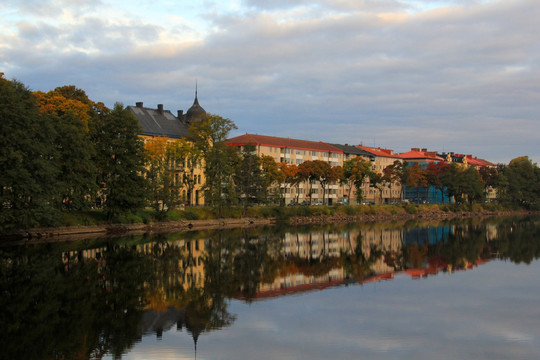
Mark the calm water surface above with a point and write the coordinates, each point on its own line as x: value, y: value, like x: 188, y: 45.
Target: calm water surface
x: 401, y: 291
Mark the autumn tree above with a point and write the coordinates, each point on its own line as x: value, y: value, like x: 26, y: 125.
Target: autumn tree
x: 435, y: 173
x: 289, y: 176
x: 392, y: 174
x: 70, y: 111
x: 271, y: 176
x: 417, y: 179
x: 161, y: 164
x: 355, y: 172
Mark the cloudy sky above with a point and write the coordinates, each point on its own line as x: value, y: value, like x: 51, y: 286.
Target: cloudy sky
x: 453, y: 75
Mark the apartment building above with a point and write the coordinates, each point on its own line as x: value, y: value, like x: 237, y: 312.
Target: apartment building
x: 295, y: 151
x: 381, y: 158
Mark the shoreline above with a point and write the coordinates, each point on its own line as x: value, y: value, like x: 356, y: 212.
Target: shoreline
x: 74, y: 233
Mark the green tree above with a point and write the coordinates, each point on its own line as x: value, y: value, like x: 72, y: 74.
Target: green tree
x: 208, y: 135
x: 472, y: 187
x: 28, y: 167
x: 221, y: 163
x: 521, y: 185
x: 490, y: 177
x: 210, y: 130
x: 120, y: 160
x: 248, y: 177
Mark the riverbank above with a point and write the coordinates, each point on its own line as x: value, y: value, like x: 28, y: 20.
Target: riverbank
x: 261, y: 217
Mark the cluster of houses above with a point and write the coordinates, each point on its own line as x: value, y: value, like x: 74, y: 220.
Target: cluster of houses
x: 163, y: 123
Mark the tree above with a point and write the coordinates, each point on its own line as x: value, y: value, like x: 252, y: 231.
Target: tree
x: 521, y: 185
x: 472, y: 186
x: 434, y: 173
x: 392, y: 174
x: 289, y: 177
x: 221, y: 163
x: 28, y: 167
x: 209, y: 130
x: 271, y: 175
x: 355, y: 171
x: 69, y: 110
x: 120, y: 161
x: 378, y: 181
x: 417, y: 179
x: 160, y: 174
x: 490, y: 177
x: 208, y: 135
x: 248, y: 177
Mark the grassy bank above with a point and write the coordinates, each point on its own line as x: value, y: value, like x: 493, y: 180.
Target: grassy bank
x: 284, y: 213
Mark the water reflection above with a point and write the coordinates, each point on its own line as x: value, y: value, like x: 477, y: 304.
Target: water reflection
x: 91, y: 298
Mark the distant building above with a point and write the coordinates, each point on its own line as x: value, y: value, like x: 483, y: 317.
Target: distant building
x: 163, y: 123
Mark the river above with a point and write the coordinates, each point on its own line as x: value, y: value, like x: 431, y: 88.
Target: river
x: 451, y: 290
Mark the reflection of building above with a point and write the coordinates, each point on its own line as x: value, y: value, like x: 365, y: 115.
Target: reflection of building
x: 314, y: 259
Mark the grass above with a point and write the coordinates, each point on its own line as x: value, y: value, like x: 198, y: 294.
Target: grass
x: 98, y: 217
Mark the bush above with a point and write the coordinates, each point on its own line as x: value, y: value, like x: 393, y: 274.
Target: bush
x: 411, y: 209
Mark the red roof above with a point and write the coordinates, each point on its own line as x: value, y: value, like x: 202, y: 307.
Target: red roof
x: 281, y: 142
x: 477, y: 162
x: 379, y: 151
x: 416, y: 154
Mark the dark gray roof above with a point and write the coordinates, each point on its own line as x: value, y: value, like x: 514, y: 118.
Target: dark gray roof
x: 353, y: 150
x: 159, y: 122
x: 196, y: 111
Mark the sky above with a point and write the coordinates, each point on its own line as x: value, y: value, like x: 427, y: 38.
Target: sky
x: 451, y: 76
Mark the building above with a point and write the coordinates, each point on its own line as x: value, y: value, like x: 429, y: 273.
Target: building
x: 429, y: 194
x: 382, y: 158
x: 294, y: 151
x: 163, y: 124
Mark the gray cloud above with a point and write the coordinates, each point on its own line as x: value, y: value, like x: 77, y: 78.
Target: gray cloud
x: 464, y: 78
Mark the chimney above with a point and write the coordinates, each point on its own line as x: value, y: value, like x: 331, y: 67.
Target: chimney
x: 180, y: 114
x: 160, y: 108
x: 424, y: 150
x: 415, y: 149
x: 139, y: 104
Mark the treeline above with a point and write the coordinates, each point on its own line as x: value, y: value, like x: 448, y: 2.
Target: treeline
x: 64, y: 153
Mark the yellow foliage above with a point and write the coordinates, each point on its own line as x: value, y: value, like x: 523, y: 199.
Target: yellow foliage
x: 56, y: 104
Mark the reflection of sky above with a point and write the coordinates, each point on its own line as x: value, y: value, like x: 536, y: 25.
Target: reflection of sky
x: 491, y: 312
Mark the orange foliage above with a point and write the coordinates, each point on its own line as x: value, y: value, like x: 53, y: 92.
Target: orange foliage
x: 56, y: 104
x: 156, y: 147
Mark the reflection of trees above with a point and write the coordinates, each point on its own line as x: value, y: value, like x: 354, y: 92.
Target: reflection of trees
x: 91, y: 306
x: 356, y: 264
x: 518, y: 240
x: 48, y: 311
